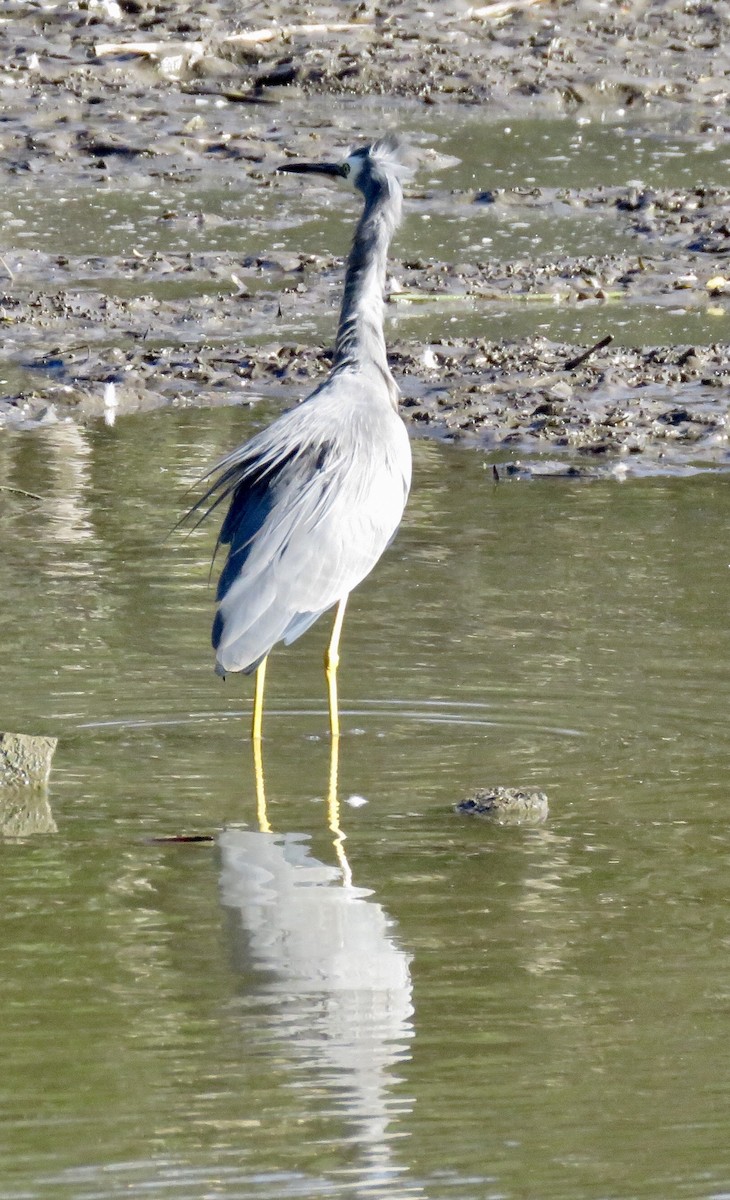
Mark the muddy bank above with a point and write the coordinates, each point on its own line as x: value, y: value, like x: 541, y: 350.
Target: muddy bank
x: 80, y: 348
x: 501, y: 54
x: 656, y: 408
x: 135, y: 98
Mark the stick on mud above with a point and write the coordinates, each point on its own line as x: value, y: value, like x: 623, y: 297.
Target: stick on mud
x: 572, y: 363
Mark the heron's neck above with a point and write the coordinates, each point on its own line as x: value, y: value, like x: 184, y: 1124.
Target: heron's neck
x: 360, y: 339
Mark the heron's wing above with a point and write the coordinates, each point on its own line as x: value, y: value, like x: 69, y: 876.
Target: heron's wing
x: 310, y: 515
x: 250, y: 466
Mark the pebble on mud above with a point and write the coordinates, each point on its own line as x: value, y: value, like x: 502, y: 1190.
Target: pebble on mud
x: 25, y: 760
x: 506, y: 806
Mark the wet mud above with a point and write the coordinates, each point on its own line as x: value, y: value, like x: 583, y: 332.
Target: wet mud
x: 139, y: 97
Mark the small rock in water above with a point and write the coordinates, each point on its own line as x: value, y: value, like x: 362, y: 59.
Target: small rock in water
x: 506, y: 806
x: 25, y: 760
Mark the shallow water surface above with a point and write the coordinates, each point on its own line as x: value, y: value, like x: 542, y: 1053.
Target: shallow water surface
x: 411, y: 1004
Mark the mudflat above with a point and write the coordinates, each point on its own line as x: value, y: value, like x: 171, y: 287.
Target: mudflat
x: 170, y: 119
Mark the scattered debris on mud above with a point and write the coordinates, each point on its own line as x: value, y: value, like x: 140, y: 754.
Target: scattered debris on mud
x: 505, y: 54
x: 139, y: 94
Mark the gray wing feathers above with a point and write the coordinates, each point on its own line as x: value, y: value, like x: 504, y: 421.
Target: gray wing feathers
x: 332, y: 506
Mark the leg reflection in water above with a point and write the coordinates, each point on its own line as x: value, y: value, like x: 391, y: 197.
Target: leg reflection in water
x: 320, y: 961
x: 333, y: 803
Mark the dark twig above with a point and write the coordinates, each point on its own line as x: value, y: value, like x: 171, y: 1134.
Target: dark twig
x: 572, y: 363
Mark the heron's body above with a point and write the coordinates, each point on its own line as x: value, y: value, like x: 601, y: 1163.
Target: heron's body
x: 303, y: 527
x: 317, y: 496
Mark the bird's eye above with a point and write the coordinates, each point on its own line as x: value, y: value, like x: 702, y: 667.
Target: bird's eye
x: 345, y: 169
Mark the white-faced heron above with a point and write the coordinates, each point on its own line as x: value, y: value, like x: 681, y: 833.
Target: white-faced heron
x: 318, y: 495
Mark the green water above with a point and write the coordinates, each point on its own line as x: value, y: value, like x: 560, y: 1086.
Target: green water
x: 485, y: 1012
x: 434, y: 1007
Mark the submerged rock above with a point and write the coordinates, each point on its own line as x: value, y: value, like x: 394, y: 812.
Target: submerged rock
x: 506, y: 806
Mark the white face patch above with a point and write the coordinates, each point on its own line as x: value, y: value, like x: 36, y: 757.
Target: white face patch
x: 354, y: 164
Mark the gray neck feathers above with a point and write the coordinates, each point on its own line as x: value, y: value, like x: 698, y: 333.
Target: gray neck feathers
x: 360, y: 337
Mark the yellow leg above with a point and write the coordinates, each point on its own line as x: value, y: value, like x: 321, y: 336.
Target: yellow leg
x: 331, y: 662
x: 258, y: 768
x: 258, y: 700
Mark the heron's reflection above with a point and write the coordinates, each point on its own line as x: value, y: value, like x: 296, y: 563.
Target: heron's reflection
x: 323, y: 952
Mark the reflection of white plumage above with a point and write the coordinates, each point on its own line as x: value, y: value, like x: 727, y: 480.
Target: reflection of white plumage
x: 311, y: 933
x: 326, y: 954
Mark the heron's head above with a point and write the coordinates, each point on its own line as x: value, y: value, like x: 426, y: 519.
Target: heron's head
x: 365, y: 168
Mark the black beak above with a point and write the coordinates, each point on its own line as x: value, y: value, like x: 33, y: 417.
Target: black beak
x: 332, y: 170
